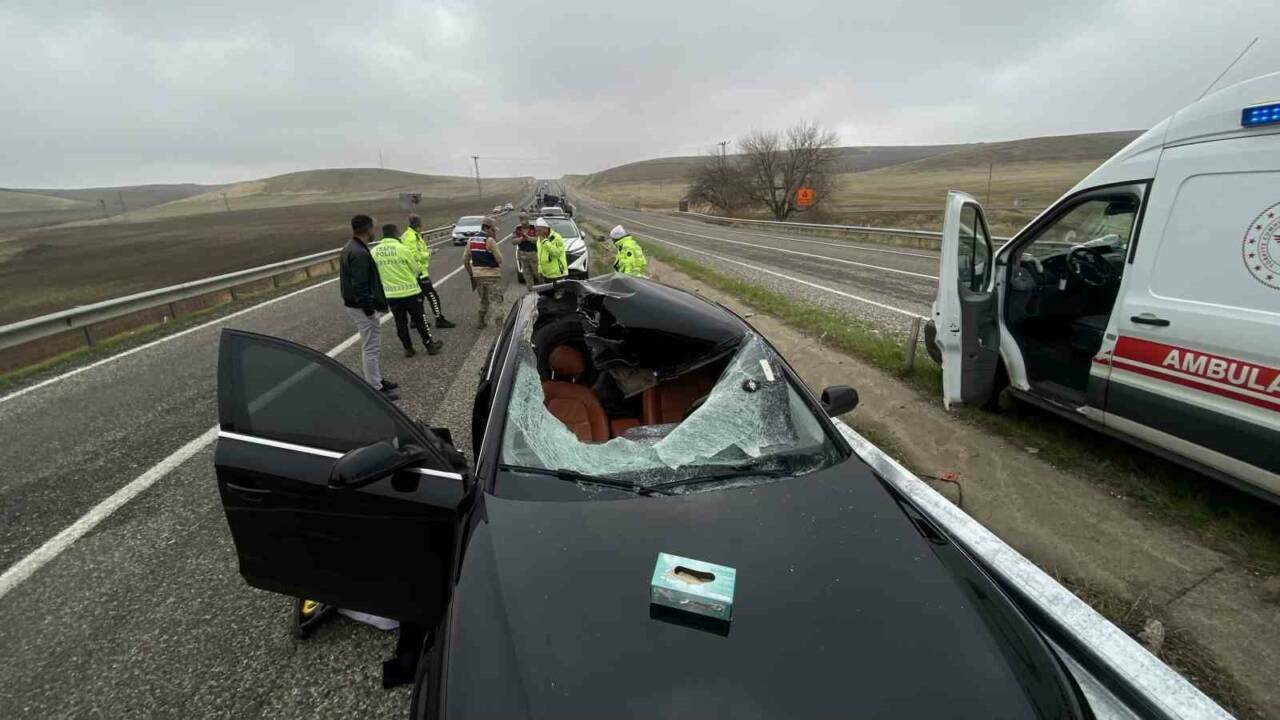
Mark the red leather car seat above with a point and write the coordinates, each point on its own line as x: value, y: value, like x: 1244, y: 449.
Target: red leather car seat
x: 572, y: 404
x: 668, y: 401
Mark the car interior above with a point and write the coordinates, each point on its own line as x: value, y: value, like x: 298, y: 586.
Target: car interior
x: 641, y: 397
x: 1063, y: 282
x: 593, y: 406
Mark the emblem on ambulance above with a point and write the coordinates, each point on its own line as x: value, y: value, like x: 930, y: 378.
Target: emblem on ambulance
x: 1261, y: 249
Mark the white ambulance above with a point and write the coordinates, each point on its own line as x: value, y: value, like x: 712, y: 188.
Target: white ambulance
x: 1146, y: 301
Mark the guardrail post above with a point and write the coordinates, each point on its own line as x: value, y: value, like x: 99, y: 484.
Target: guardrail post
x: 913, y: 336
x: 173, y: 312
x: 88, y: 336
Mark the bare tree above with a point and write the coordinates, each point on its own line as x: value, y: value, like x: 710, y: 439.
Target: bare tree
x: 719, y: 181
x: 778, y: 163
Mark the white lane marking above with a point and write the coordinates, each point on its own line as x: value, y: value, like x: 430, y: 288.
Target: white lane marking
x: 71, y: 373
x: 814, y: 285
x: 38, y: 558
x: 793, y: 238
x: 771, y: 248
x: 24, y: 568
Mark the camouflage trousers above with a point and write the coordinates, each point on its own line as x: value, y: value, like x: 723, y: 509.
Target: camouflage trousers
x: 491, y: 290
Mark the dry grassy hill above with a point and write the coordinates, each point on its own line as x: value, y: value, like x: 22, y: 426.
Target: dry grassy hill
x: 901, y: 186
x: 25, y: 201
x: 329, y: 186
x: 39, y: 207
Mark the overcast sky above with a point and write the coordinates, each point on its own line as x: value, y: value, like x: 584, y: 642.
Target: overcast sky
x: 133, y: 91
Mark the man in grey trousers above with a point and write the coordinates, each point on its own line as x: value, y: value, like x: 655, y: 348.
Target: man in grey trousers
x: 365, y: 301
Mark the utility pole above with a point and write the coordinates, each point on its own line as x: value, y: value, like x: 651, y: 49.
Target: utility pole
x: 380, y: 163
x: 990, y: 166
x: 123, y: 208
x: 476, y: 160
x: 105, y: 215
x: 224, y: 202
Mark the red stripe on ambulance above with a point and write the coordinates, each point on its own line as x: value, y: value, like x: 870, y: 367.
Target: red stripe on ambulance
x: 1203, y: 371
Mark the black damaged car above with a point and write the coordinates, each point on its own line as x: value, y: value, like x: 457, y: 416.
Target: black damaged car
x: 615, y: 420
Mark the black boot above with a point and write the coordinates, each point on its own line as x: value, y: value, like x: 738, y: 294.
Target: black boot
x: 434, y: 346
x: 444, y: 324
x: 409, y: 351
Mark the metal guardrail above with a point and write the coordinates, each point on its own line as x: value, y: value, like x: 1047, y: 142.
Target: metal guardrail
x: 866, y: 229
x: 1114, y: 670
x: 85, y: 316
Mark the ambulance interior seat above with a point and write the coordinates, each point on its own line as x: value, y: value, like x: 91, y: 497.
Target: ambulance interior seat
x: 1058, y: 318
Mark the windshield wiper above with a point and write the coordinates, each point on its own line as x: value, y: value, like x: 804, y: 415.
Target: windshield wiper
x: 726, y: 473
x: 575, y: 476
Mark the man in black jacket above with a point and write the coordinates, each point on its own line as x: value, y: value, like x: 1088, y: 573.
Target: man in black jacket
x: 365, y: 301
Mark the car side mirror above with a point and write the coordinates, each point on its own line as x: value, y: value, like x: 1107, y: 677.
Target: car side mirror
x: 366, y: 465
x: 839, y: 399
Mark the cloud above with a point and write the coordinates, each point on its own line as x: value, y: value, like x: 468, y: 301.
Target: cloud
x: 130, y: 92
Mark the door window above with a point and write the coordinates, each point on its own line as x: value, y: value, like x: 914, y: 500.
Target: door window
x: 280, y: 392
x: 1103, y: 223
x: 975, y: 250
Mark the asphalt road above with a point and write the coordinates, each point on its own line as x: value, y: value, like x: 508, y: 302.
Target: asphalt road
x: 881, y: 283
x: 146, y: 615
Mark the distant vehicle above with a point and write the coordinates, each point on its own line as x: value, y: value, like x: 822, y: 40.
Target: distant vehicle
x: 508, y: 207
x: 575, y: 248
x: 532, y: 565
x: 467, y: 226
x: 1145, y: 302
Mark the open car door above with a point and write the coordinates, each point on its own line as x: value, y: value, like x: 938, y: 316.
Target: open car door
x: 965, y: 311
x: 331, y: 492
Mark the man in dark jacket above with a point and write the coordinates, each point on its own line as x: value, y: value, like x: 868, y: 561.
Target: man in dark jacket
x: 365, y: 300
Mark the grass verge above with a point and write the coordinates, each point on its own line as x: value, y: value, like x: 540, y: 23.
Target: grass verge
x: 1178, y: 650
x: 1232, y: 522
x: 31, y: 374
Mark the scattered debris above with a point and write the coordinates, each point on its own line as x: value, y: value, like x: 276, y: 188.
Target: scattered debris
x: 1152, y: 636
x: 1271, y: 589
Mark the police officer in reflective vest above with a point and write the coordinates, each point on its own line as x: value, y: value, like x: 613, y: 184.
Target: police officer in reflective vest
x: 484, y: 264
x: 399, y: 268
x: 553, y: 264
x: 413, y: 238
x: 630, y: 258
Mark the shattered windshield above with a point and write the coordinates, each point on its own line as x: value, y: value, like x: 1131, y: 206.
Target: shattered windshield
x: 749, y: 424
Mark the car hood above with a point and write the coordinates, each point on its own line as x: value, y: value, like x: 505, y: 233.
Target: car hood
x: 843, y: 604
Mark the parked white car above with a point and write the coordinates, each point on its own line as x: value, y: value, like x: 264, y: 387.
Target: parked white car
x: 575, y: 248
x: 467, y: 226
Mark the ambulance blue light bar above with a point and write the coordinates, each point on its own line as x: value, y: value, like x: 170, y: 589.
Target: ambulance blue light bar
x: 1260, y: 115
